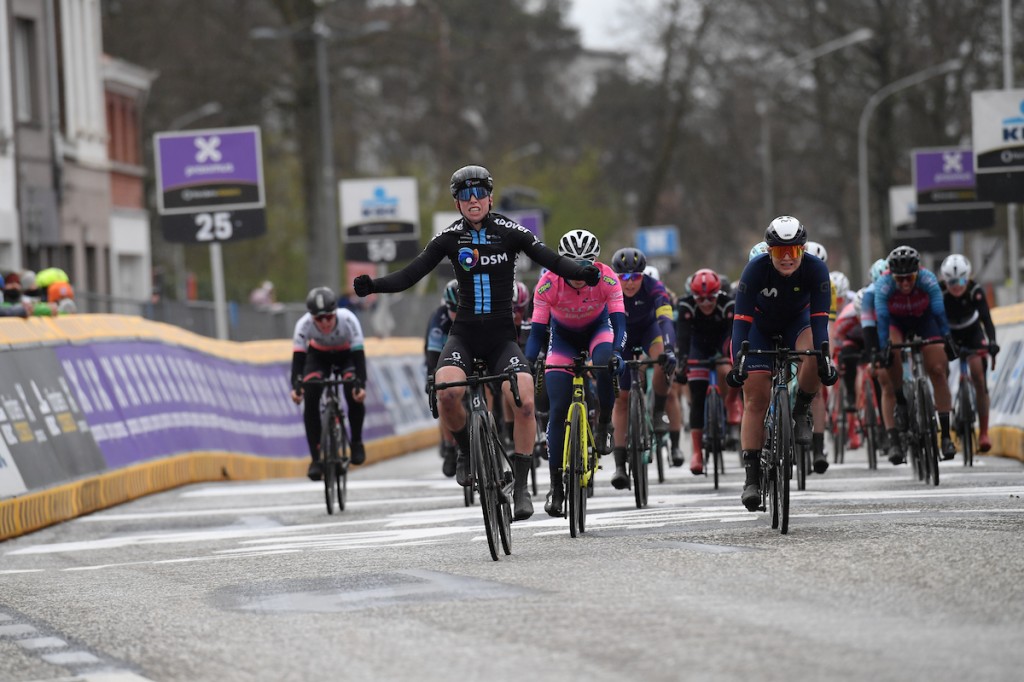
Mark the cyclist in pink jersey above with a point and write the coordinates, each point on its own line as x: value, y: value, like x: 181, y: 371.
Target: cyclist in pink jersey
x: 579, y: 317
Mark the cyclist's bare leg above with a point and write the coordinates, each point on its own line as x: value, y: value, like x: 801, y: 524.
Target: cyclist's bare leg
x: 977, y: 366
x: 937, y: 367
x: 525, y: 419
x: 620, y: 415
x: 756, y: 394
x: 449, y: 400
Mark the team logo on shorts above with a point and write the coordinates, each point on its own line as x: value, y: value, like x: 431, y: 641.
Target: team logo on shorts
x: 468, y: 258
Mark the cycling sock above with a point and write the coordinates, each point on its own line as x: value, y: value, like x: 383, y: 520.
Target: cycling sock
x: 462, y: 438
x: 944, y: 423
x: 659, y: 402
x: 673, y: 437
x: 803, y: 401
x: 818, y: 443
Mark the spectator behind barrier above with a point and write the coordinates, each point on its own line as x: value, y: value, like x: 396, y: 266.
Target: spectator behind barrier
x: 30, y: 292
x: 49, y: 276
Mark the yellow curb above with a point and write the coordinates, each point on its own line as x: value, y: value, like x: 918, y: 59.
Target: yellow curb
x: 33, y: 511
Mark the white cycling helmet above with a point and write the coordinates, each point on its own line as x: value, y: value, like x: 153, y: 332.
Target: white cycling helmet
x: 579, y: 245
x: 841, y: 283
x: 757, y: 250
x: 652, y: 272
x: 816, y: 249
x: 858, y: 300
x: 956, y: 267
x: 878, y: 268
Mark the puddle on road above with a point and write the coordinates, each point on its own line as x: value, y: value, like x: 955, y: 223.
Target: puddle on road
x: 350, y: 593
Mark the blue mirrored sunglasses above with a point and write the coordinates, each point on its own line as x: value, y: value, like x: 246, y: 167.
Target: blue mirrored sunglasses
x: 630, y: 276
x: 466, y: 193
x: 959, y: 282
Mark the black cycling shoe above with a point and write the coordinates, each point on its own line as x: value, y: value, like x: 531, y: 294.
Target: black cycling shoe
x: 660, y: 422
x: 948, y: 448
x: 751, y: 497
x: 358, y: 453
x: 620, y: 479
x: 802, y: 433
x: 315, y: 472
x: 554, y: 502
x: 450, y: 454
x: 522, y: 505
x: 676, y: 458
x: 601, y: 438
x: 896, y: 457
x: 463, y: 475
x: 820, y: 463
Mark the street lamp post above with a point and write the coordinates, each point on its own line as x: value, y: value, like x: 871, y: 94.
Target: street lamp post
x: 330, y: 271
x: 862, y: 148
x: 763, y: 109
x: 1012, y: 241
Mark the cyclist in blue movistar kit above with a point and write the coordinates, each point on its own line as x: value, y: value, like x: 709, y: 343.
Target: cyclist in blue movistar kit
x: 649, y: 325
x: 482, y: 247
x: 908, y: 302
x: 782, y: 293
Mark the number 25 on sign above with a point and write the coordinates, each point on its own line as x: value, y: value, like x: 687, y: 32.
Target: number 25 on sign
x: 213, y: 226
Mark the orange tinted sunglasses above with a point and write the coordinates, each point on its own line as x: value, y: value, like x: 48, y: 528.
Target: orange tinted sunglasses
x: 793, y: 251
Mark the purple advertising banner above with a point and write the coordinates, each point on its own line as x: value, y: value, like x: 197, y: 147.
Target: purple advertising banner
x: 947, y: 196
x: 209, y: 169
x: 143, y: 400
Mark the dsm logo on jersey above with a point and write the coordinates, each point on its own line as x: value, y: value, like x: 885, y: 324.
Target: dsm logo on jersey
x: 470, y: 258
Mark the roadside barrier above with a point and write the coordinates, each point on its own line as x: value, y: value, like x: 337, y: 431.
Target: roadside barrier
x: 96, y: 410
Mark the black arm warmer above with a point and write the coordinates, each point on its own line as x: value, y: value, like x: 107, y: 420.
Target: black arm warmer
x: 359, y: 362
x: 298, y: 364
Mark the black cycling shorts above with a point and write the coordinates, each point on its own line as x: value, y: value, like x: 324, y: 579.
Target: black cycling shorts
x: 494, y: 344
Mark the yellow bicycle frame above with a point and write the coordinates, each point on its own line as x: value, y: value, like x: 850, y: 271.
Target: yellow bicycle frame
x: 586, y: 435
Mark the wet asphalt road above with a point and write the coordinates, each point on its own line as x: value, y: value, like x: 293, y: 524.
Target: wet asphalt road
x: 880, y: 578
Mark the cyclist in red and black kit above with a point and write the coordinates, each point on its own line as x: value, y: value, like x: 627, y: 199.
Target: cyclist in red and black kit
x: 703, y: 331
x: 482, y: 247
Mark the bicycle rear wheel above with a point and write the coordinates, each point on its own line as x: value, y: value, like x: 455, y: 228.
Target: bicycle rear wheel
x: 840, y: 452
x: 912, y: 436
x: 782, y: 457
x: 328, y: 458
x: 802, y: 467
x: 575, y: 495
x: 930, y: 432
x: 483, y: 479
x: 661, y: 451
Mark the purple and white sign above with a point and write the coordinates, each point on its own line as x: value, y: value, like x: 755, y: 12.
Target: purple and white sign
x: 947, y: 197
x: 209, y: 169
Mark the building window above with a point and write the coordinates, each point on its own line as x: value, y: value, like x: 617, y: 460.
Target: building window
x: 25, y: 70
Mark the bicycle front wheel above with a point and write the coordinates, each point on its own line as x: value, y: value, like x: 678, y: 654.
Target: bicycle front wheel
x: 869, y: 424
x: 575, y: 494
x: 714, y: 432
x: 484, y: 477
x: 930, y: 432
x: 637, y: 455
x: 965, y: 419
x: 328, y: 459
x: 783, y: 458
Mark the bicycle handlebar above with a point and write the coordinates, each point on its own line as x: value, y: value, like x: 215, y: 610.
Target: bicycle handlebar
x: 348, y: 379
x: 473, y: 380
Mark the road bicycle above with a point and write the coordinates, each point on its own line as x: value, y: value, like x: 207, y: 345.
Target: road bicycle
x: 579, y: 449
x: 714, y: 434
x: 921, y: 436
x: 490, y: 471
x: 639, y: 427
x: 965, y: 409
x: 333, y: 439
x: 779, y: 451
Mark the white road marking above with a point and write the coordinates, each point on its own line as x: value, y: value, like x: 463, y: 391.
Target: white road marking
x: 42, y: 643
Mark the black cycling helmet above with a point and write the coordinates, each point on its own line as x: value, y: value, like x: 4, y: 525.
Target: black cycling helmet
x: 321, y: 301
x: 629, y: 259
x: 471, y: 176
x: 450, y: 297
x: 904, y: 260
x: 785, y: 231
